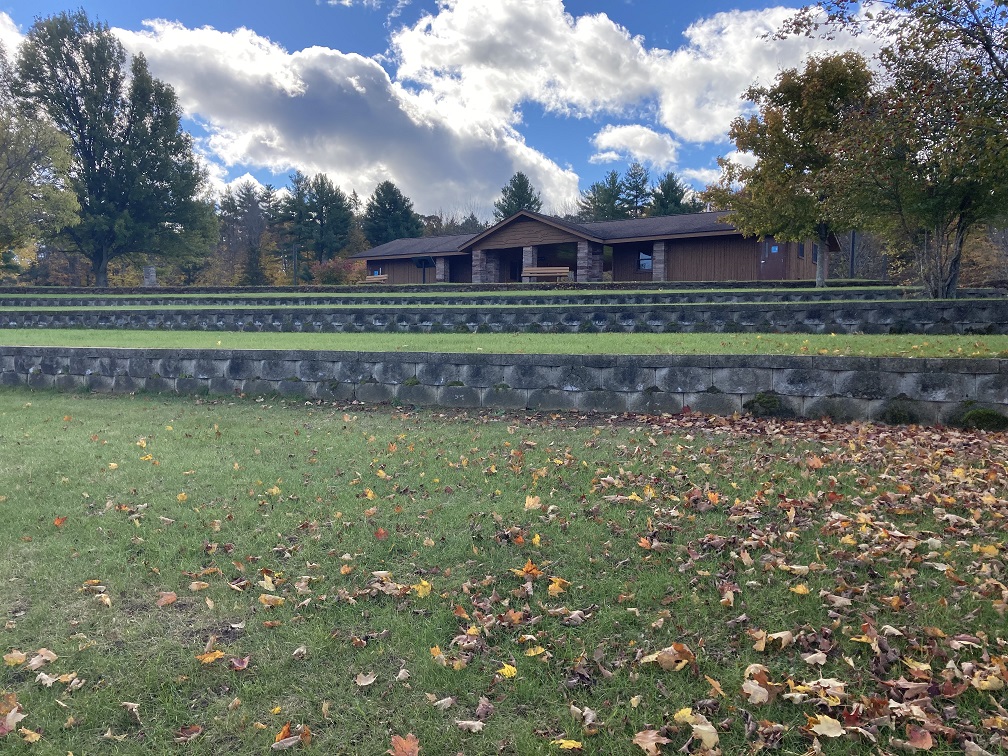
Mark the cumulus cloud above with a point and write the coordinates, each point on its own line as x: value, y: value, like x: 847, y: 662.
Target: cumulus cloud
x: 321, y: 110
x: 634, y: 142
x: 441, y: 114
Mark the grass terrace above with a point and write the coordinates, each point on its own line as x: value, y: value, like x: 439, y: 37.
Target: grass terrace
x: 350, y: 580
x: 849, y: 345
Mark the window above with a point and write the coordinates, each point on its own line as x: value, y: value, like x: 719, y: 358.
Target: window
x: 644, y: 260
x: 815, y: 253
x: 801, y: 250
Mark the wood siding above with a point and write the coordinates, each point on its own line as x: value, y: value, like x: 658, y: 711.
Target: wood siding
x: 717, y: 258
x: 626, y: 259
x: 405, y: 272
x: 526, y: 233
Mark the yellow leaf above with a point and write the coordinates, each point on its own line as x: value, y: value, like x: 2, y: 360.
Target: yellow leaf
x: 369, y: 494
x: 423, y: 588
x: 801, y: 589
x: 267, y: 599
x: 507, y: 671
x: 557, y: 586
x: 535, y: 651
x: 536, y: 540
x: 30, y: 736
x: 826, y: 726
x: 210, y: 656
x: 15, y: 658
x: 567, y: 745
x: 198, y: 585
x: 182, y: 496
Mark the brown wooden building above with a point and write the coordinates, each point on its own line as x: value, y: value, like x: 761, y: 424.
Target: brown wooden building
x: 696, y: 247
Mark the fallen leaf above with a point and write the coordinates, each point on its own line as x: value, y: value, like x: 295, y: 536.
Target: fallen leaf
x: 166, y: 598
x: 187, y: 733
x: 404, y: 746
x: 507, y: 671
x: 650, y: 741
x: 210, y: 656
x: 469, y: 725
x: 363, y: 680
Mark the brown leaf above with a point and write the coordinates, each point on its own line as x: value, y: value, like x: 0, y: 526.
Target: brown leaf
x: 650, y: 741
x: 187, y: 733
x: 363, y: 680
x: 404, y: 746
x: 166, y: 598
x: 469, y: 725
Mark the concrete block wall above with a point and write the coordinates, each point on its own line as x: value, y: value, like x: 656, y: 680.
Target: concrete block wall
x: 923, y: 317
x: 845, y: 388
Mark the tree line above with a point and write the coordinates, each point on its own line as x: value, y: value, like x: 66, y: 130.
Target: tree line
x: 97, y: 175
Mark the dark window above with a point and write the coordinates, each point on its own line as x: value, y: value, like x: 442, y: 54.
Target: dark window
x: 801, y: 250
x: 644, y: 260
x: 815, y: 253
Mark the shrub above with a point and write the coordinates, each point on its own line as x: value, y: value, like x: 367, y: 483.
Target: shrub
x: 767, y: 404
x: 338, y: 271
x: 984, y: 419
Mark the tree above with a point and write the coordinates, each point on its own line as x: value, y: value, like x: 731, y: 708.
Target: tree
x: 140, y: 188
x: 977, y: 28
x: 35, y: 201
x: 450, y: 224
x: 787, y: 193
x: 669, y: 197
x: 925, y: 164
x: 635, y: 199
x: 926, y: 160
x: 518, y: 194
x: 389, y: 215
x: 331, y: 215
x: 602, y: 201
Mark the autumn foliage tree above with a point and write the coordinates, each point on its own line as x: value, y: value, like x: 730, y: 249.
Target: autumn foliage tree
x: 789, y: 192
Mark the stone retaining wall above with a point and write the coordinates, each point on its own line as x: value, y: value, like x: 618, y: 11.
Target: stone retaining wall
x: 929, y: 390
x: 979, y: 316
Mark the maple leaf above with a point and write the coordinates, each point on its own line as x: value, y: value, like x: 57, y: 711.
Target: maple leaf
x: 673, y: 657
x: 529, y: 570
x: 363, y: 680
x: 238, y: 665
x: 404, y: 746
x: 381, y: 534
x: 10, y: 713
x: 270, y: 601
x: 423, y: 588
x: 166, y: 598
x: 557, y: 586
x: 58, y: 521
x: 15, y: 658
x: 508, y: 671
x: 650, y: 741
x: 825, y: 726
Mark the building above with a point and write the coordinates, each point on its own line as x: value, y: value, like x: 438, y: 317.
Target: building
x: 528, y: 246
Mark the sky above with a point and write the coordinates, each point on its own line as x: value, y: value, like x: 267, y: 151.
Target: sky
x: 449, y: 98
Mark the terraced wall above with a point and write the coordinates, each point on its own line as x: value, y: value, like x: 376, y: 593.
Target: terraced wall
x: 927, y: 390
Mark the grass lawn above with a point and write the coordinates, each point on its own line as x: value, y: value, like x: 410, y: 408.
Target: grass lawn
x: 181, y: 570
x: 528, y: 343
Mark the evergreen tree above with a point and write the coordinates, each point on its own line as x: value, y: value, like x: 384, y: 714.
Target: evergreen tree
x: 635, y: 197
x: 518, y: 194
x: 669, y: 197
x: 389, y: 215
x: 602, y: 200
x: 331, y: 216
x: 139, y: 185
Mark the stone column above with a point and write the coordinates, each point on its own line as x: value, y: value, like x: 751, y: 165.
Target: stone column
x: 441, y: 269
x: 589, y: 261
x: 658, y: 272
x: 478, y: 266
x: 530, y: 259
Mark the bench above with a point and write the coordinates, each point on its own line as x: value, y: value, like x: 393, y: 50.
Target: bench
x: 376, y: 279
x: 559, y: 273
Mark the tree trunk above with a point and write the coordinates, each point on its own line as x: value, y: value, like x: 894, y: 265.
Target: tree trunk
x: 822, y: 261
x: 99, y: 266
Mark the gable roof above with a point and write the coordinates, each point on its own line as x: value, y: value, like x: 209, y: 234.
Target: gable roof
x: 600, y: 232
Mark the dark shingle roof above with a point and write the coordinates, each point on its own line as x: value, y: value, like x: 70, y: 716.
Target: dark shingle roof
x: 662, y: 227
x: 416, y: 247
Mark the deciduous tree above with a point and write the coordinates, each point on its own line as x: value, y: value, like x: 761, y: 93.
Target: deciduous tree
x: 140, y: 187
x: 787, y: 193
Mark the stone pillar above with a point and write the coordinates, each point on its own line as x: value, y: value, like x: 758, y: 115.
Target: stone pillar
x: 658, y: 272
x: 530, y: 259
x: 441, y: 269
x: 478, y: 266
x: 589, y: 261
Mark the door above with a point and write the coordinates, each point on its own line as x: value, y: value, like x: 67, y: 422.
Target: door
x: 772, y: 266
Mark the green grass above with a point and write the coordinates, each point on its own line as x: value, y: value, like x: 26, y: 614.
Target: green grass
x: 892, y: 532
x: 528, y: 343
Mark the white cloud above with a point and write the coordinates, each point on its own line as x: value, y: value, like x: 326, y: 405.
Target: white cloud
x: 321, y: 110
x: 10, y: 35
x: 634, y: 142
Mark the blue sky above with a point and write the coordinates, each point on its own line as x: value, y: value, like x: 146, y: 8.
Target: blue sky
x: 448, y: 99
